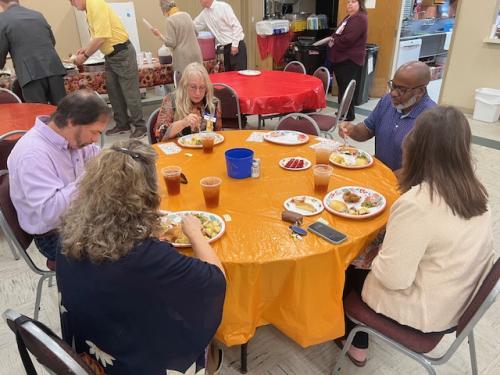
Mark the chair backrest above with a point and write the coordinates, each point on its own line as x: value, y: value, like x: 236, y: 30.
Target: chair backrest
x: 150, y: 126
x: 346, y: 101
x: 299, y: 122
x: 50, y: 350
x: 7, y: 96
x: 7, y: 144
x: 16, y: 89
x: 230, y: 105
x: 8, y: 215
x: 324, y: 75
x: 484, y: 297
x: 177, y: 78
x: 295, y: 66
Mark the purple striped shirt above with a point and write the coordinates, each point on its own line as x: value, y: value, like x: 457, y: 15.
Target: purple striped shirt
x: 390, y: 127
x: 42, y: 175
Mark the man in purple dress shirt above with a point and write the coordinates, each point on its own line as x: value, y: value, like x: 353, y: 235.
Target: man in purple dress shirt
x: 46, y: 162
x: 395, y: 113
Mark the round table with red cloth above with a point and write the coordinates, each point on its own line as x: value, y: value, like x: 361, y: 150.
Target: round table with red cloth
x: 18, y: 116
x: 274, y: 91
x: 21, y: 116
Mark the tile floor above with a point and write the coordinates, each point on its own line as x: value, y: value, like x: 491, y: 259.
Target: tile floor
x: 270, y: 352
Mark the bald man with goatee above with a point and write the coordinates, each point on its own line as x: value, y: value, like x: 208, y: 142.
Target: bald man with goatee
x: 395, y: 113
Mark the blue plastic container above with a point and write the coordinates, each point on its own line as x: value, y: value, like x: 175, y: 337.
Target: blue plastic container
x: 239, y: 162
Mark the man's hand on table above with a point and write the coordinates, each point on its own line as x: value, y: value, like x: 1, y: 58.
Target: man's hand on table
x: 80, y: 58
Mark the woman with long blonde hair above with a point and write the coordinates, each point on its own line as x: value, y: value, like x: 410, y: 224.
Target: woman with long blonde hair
x: 191, y: 106
x: 128, y: 301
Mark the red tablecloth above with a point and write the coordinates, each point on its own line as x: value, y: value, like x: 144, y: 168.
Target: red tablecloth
x: 274, y: 45
x: 18, y: 116
x: 21, y: 116
x: 274, y: 91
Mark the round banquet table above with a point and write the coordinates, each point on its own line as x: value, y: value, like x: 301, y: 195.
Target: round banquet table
x: 274, y: 91
x: 18, y: 116
x: 273, y: 278
x: 21, y: 116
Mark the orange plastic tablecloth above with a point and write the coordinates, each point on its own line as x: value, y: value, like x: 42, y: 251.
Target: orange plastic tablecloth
x: 21, y: 116
x: 274, y: 91
x: 273, y: 278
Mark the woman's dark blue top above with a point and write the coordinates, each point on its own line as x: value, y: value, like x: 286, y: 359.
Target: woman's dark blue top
x: 151, y: 311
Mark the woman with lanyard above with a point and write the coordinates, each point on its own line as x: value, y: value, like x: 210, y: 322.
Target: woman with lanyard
x: 190, y: 108
x: 347, y: 49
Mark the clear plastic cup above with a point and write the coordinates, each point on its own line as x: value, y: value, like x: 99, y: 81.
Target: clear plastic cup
x: 211, y: 190
x: 323, y: 154
x: 322, y: 174
x: 207, y: 141
x: 172, y: 177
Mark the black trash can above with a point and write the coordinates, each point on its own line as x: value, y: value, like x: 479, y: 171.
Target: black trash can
x: 367, y: 73
x: 311, y: 56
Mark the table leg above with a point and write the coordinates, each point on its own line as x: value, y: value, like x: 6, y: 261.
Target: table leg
x: 243, y: 367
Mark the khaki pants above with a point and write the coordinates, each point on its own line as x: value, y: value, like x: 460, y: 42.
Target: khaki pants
x: 122, y: 84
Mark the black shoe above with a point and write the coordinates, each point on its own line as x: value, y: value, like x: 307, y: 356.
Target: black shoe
x: 117, y: 130
x: 138, y: 133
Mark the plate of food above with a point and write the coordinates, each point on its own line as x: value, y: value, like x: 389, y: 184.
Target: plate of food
x: 249, y: 72
x: 354, y: 202
x: 194, y: 140
x: 351, y: 157
x: 213, y: 227
x: 304, y: 205
x: 295, y: 163
x: 286, y: 137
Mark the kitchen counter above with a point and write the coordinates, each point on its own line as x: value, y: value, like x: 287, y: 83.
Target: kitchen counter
x: 418, y: 36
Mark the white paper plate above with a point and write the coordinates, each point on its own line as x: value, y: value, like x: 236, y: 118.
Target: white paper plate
x: 176, y: 218
x: 286, y: 137
x: 250, y: 72
x: 194, y: 140
x: 284, y: 161
x: 350, y: 158
x: 351, y: 213
x: 315, y: 202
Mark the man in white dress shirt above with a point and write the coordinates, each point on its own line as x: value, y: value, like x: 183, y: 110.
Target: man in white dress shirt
x: 219, y: 18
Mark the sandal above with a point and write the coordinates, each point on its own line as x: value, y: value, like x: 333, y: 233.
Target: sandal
x: 356, y: 362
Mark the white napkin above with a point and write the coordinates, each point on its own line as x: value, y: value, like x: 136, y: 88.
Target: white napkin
x: 169, y: 148
x: 256, y: 137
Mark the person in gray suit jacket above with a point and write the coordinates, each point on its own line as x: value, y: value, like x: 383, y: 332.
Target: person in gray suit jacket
x: 26, y: 35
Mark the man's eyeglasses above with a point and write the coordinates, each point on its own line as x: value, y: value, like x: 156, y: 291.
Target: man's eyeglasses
x: 134, y: 155
x: 401, y: 89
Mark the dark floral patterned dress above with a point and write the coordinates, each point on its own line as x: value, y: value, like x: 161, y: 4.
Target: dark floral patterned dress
x: 166, y: 116
x: 153, y: 311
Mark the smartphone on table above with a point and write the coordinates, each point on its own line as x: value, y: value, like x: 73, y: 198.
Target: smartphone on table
x: 327, y: 232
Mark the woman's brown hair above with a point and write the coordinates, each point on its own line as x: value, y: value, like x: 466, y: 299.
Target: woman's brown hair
x: 362, y: 7
x: 438, y: 151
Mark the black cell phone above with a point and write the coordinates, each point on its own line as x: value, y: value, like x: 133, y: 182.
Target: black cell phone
x: 326, y: 232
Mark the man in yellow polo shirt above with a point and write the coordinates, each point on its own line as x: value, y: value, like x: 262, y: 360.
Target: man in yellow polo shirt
x: 122, y: 79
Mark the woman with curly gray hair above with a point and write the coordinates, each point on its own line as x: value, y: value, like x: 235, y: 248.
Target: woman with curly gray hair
x: 128, y: 301
x: 180, y: 36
